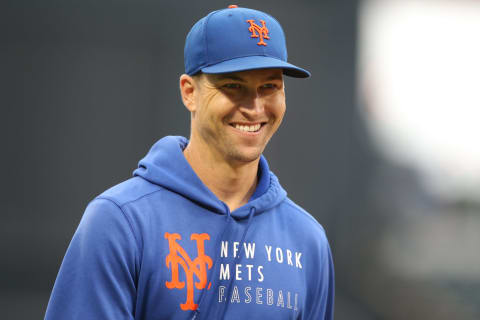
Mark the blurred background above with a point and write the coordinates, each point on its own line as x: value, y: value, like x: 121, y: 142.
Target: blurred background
x: 380, y: 144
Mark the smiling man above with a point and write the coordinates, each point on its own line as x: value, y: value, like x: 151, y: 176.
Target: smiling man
x: 234, y: 115
x: 204, y: 230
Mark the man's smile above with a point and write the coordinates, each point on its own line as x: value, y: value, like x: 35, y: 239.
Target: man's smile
x: 248, y: 127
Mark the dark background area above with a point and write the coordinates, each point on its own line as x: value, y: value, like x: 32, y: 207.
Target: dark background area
x: 88, y: 86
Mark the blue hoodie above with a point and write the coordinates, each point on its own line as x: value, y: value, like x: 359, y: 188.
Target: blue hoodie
x: 161, y: 245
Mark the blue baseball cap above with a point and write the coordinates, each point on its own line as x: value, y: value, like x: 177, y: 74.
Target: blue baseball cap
x: 237, y: 39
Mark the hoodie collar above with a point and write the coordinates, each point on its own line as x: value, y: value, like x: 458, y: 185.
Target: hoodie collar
x: 165, y: 165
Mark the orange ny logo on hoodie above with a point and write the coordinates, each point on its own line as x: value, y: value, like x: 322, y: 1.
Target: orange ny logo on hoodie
x: 198, y: 267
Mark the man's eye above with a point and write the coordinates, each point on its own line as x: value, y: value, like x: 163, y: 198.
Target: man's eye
x: 269, y: 86
x: 232, y: 86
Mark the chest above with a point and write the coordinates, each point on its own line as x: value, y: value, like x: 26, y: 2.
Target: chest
x: 205, y: 266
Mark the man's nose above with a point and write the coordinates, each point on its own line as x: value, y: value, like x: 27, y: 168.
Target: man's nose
x: 254, y: 103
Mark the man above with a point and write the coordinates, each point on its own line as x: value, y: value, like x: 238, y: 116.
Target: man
x: 204, y: 230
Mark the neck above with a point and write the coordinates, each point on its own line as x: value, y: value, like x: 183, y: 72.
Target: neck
x: 232, y: 183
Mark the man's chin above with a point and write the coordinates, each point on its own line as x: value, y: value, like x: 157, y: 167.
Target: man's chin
x: 246, y: 156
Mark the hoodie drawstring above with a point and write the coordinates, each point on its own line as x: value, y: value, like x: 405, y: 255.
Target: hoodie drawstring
x: 229, y: 219
x: 218, y: 244
x: 249, y: 222
x: 239, y: 257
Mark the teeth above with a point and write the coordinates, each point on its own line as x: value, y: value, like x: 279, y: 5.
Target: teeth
x: 252, y: 128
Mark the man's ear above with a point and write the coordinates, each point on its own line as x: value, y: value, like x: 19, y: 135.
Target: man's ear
x: 188, y: 88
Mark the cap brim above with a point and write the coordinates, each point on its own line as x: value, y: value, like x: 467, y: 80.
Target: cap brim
x: 256, y: 62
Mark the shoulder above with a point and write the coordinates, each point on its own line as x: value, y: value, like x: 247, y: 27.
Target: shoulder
x: 129, y: 191
x: 106, y: 216
x: 304, y: 224
x: 302, y: 214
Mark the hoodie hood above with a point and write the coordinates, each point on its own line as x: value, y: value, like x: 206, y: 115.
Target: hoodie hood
x: 166, y: 166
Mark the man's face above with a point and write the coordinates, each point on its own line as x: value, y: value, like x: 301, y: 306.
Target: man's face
x: 237, y: 113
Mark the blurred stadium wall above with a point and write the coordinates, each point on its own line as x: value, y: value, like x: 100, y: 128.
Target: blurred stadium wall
x: 88, y: 87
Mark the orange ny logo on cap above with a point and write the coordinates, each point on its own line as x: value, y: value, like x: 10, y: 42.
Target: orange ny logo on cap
x: 262, y: 31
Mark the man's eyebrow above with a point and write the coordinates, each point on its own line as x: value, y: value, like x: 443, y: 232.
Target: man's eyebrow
x: 229, y: 77
x: 275, y: 77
